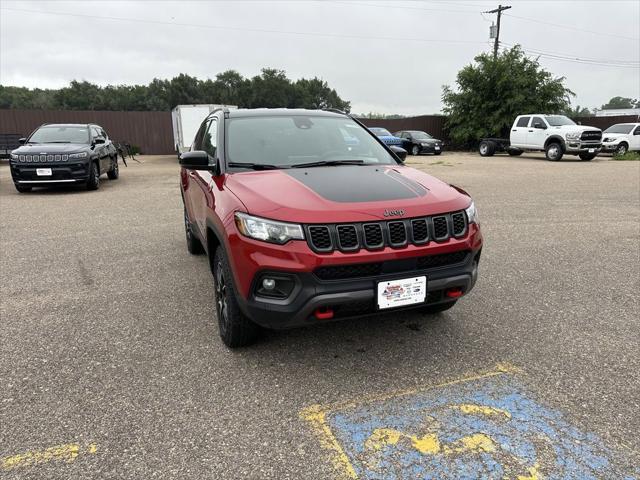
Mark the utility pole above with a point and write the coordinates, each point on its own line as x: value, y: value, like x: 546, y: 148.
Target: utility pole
x: 499, y: 11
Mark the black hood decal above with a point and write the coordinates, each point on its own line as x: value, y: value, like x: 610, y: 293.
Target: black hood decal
x: 354, y: 183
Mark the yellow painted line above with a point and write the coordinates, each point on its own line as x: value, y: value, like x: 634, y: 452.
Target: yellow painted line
x: 60, y: 453
x: 481, y: 410
x: 316, y: 416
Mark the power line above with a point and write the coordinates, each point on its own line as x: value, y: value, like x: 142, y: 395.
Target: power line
x: 569, y: 27
x: 242, y: 29
x: 586, y: 61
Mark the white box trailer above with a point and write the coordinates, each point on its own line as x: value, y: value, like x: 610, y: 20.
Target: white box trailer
x: 186, y: 119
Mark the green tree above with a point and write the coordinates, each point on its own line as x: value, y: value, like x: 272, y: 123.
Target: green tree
x: 315, y: 93
x: 577, y: 111
x: 621, y: 102
x: 491, y: 92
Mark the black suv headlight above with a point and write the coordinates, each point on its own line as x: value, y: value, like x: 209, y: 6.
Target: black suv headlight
x: 266, y: 230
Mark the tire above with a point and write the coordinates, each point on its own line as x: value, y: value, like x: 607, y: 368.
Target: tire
x: 22, y: 188
x: 114, y: 173
x: 621, y: 149
x: 235, y: 329
x: 515, y: 153
x: 554, y: 152
x: 487, y: 149
x: 437, y: 308
x: 587, y: 157
x: 194, y: 246
x: 93, y: 182
x: 415, y: 150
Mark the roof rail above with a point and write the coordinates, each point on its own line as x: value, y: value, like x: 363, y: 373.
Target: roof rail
x: 335, y: 110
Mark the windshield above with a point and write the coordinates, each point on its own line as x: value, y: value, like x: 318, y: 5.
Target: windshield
x: 284, y: 141
x: 620, y: 128
x: 380, y: 132
x: 60, y: 134
x: 558, y: 120
x: 420, y: 135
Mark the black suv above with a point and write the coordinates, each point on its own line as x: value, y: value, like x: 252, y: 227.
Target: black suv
x: 69, y: 153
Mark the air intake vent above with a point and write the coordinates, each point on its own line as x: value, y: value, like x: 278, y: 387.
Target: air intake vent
x: 347, y: 237
x: 397, y: 233
x: 373, y: 235
x: 459, y: 224
x: 420, y: 230
x: 320, y: 238
x: 440, y: 228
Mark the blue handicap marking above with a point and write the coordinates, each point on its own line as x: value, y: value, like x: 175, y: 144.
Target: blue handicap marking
x: 483, y: 427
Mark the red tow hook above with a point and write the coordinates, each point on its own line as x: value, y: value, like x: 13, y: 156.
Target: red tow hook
x: 324, y: 313
x: 455, y: 292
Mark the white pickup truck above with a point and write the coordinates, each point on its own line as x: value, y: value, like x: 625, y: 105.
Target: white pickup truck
x: 556, y: 135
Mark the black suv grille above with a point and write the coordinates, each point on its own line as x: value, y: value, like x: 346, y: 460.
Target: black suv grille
x: 395, y: 233
x: 363, y: 270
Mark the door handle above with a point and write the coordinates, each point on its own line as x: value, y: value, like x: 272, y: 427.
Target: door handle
x: 514, y: 130
x: 530, y: 131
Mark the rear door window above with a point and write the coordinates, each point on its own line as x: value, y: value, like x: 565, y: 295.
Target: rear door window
x: 523, y: 122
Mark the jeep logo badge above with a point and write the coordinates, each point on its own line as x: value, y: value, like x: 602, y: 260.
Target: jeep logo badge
x: 394, y: 213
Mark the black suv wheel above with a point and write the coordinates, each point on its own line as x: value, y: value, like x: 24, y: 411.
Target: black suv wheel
x: 236, y: 330
x: 22, y: 188
x: 114, y: 172
x: 93, y: 182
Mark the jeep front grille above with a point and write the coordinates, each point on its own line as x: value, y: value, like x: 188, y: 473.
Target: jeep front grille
x: 42, y: 158
x: 351, y: 237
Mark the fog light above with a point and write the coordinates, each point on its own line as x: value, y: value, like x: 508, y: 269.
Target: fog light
x: 268, y: 284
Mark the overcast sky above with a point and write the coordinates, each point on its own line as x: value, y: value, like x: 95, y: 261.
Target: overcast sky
x: 384, y: 56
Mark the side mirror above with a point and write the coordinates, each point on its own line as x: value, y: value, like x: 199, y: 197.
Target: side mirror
x: 22, y: 141
x: 540, y: 125
x: 196, y: 160
x: 98, y: 140
x: 400, y: 152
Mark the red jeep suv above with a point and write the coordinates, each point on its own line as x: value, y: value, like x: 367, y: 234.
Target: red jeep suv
x: 307, y: 217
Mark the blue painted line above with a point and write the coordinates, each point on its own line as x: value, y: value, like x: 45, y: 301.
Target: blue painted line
x: 504, y: 433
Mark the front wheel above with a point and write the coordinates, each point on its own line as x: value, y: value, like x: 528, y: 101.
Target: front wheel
x: 415, y: 150
x: 93, y: 182
x: 587, y: 157
x: 621, y: 149
x: 114, y: 172
x: 554, y: 152
x: 437, y: 308
x: 236, y: 330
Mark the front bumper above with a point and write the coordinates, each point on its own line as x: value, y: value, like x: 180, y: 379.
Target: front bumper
x: 609, y: 147
x: 61, y: 173
x: 349, y: 297
x: 577, y: 146
x: 431, y: 148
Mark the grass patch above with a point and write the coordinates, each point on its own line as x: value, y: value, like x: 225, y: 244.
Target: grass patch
x: 628, y: 156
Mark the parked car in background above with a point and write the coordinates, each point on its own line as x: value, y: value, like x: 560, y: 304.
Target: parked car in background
x: 417, y: 142
x: 386, y: 136
x: 64, y: 154
x: 621, y: 138
x: 8, y: 143
x: 556, y: 135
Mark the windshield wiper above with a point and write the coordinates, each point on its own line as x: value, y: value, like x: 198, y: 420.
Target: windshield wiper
x: 255, y: 166
x: 324, y: 163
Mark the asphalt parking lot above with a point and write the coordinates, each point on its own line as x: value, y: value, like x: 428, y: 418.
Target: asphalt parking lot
x: 111, y: 368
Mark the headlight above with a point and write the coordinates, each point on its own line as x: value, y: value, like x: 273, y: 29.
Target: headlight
x: 78, y: 155
x: 607, y: 140
x: 424, y: 144
x: 472, y: 213
x: 268, y: 230
x: 572, y: 136
x: 14, y: 157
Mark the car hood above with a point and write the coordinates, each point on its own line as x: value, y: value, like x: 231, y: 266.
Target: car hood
x: 353, y: 193
x: 573, y: 128
x: 41, y: 148
x: 614, y: 136
x: 390, y: 139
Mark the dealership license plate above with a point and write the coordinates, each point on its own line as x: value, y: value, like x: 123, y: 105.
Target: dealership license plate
x: 405, y: 291
x: 437, y: 147
x: 43, y: 172
x: 591, y: 150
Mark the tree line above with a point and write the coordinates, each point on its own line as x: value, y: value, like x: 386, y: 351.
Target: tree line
x: 272, y: 88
